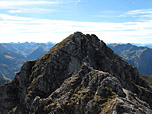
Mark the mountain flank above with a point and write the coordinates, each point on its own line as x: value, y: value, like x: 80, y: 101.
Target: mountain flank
x: 78, y: 75
x: 13, y: 56
x: 10, y: 63
x: 36, y: 53
x: 26, y: 48
x: 148, y: 79
x: 140, y: 57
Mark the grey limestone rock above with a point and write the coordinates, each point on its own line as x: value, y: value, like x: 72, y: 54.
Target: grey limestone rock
x: 79, y: 75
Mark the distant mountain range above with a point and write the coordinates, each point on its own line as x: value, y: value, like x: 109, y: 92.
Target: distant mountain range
x: 10, y: 63
x: 13, y: 55
x: 140, y: 57
x: 149, y: 45
x: 27, y: 48
x: 36, y: 53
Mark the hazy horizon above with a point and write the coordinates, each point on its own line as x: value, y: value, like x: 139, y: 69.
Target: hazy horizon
x: 43, y: 21
x: 137, y: 44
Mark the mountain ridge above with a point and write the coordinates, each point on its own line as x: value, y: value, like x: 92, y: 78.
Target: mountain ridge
x: 8, y: 60
x: 139, y: 57
x: 13, y: 56
x: 78, y: 75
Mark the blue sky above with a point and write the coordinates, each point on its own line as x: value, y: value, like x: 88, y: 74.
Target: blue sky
x: 113, y: 21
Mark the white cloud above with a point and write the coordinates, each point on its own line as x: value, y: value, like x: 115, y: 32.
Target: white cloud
x: 15, y: 4
x: 9, y: 17
x: 149, y: 16
x: 31, y: 10
x: 42, y: 30
x: 137, y: 13
x: 7, y: 4
x: 70, y: 1
x: 33, y: 6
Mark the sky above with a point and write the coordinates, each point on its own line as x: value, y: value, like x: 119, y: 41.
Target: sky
x: 113, y: 21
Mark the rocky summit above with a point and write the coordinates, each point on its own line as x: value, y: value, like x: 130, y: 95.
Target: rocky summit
x: 79, y: 75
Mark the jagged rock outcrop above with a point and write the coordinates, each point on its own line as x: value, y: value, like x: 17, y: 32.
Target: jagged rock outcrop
x: 79, y: 75
x: 2, y: 81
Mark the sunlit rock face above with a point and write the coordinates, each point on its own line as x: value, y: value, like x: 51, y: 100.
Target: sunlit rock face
x: 78, y: 75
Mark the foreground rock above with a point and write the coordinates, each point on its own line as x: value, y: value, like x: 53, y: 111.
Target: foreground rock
x: 79, y: 75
